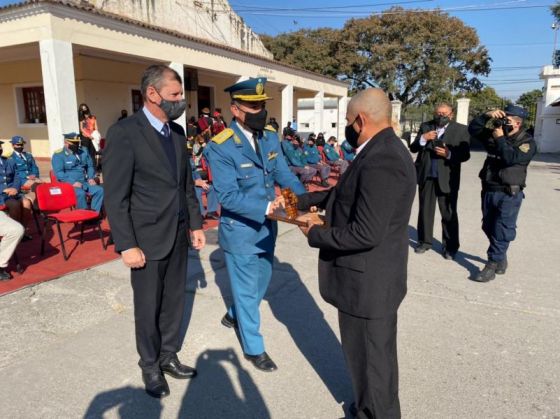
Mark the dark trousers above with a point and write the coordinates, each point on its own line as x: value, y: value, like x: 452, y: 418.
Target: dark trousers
x: 159, y: 301
x: 428, y: 194
x: 499, y: 218
x: 370, y: 349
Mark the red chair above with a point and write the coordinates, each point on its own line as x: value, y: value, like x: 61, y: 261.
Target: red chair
x: 56, y: 203
x: 53, y: 177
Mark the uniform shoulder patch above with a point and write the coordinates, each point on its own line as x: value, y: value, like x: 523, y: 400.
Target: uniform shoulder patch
x: 270, y: 128
x: 60, y: 150
x: 525, y: 147
x: 8, y: 154
x: 223, y: 136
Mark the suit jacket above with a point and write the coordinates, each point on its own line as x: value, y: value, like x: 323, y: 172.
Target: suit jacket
x: 143, y: 198
x: 364, y: 245
x: 245, y: 183
x: 457, y: 139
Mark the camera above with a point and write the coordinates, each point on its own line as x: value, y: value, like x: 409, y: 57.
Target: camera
x: 499, y: 122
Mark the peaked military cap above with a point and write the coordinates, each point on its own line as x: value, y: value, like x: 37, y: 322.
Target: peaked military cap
x: 73, y: 137
x: 17, y: 139
x: 514, y: 110
x: 251, y: 90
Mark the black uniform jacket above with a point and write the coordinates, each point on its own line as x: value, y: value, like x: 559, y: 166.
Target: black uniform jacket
x: 364, y: 245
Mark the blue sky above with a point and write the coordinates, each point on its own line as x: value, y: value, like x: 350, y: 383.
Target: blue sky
x: 517, y: 33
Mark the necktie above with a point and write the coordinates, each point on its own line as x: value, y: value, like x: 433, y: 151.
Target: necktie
x: 165, y: 131
x: 256, y: 142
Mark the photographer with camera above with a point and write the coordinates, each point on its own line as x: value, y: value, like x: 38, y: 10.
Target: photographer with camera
x: 442, y: 145
x: 510, y: 149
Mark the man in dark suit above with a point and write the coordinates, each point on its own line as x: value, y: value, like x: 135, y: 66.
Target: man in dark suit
x: 442, y: 145
x: 364, y: 251
x: 151, y: 203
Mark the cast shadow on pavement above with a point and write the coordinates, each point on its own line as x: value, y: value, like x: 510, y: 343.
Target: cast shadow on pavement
x: 463, y: 259
x: 293, y: 305
x: 130, y: 403
x: 213, y: 394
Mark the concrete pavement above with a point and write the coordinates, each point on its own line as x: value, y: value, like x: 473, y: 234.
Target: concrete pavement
x: 466, y: 350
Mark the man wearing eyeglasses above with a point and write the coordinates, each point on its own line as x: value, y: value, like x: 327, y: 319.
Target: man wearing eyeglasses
x: 442, y: 145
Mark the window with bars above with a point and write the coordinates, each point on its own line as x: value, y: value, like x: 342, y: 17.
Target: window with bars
x: 34, y: 105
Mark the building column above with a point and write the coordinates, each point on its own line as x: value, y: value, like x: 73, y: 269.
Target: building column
x: 342, y: 106
x: 179, y: 68
x: 287, y: 106
x: 59, y: 87
x: 396, y: 106
x: 318, y: 112
x: 463, y: 111
x: 192, y: 103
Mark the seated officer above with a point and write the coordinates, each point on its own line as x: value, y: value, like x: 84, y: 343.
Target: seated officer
x: 205, y: 185
x: 348, y: 151
x: 26, y: 169
x: 10, y: 184
x: 313, y: 156
x: 72, y: 164
x: 297, y: 161
x: 332, y: 154
x: 509, y: 149
x: 246, y: 163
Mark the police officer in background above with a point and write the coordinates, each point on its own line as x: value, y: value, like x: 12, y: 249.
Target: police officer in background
x: 246, y: 161
x: 26, y: 168
x: 73, y: 164
x: 510, y: 149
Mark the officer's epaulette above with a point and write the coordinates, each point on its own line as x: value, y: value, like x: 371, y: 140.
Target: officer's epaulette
x: 60, y: 150
x: 223, y: 136
x: 270, y: 128
x: 8, y: 154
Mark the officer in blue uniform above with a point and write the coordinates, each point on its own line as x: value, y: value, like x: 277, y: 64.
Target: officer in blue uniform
x: 72, y: 164
x: 333, y: 156
x: 313, y: 157
x: 297, y: 160
x: 348, y: 151
x: 509, y: 151
x: 10, y: 185
x: 246, y: 161
x: 26, y: 168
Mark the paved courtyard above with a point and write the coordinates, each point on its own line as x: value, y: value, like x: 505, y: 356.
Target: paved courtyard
x: 466, y: 350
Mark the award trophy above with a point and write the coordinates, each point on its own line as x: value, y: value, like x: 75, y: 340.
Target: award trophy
x: 290, y: 213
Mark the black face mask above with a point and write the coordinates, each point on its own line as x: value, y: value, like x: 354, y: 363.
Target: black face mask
x: 441, y: 121
x: 18, y: 148
x: 173, y: 109
x: 256, y: 121
x: 351, y: 135
x: 73, y: 148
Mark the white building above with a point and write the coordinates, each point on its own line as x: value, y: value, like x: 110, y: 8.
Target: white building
x: 547, y: 124
x: 311, y: 118
x: 55, y: 54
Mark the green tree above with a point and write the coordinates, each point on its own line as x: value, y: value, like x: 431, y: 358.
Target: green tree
x: 555, y: 9
x: 529, y: 101
x: 420, y: 56
x: 313, y: 50
x: 485, y: 99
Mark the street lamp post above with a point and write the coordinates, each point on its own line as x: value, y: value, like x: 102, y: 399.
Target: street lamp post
x: 555, y: 26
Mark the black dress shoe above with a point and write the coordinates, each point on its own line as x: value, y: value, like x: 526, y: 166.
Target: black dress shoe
x: 501, y: 267
x: 449, y: 255
x: 421, y: 249
x: 262, y: 362
x: 5, y: 275
x: 487, y: 274
x: 175, y: 369
x: 229, y: 321
x: 155, y: 383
